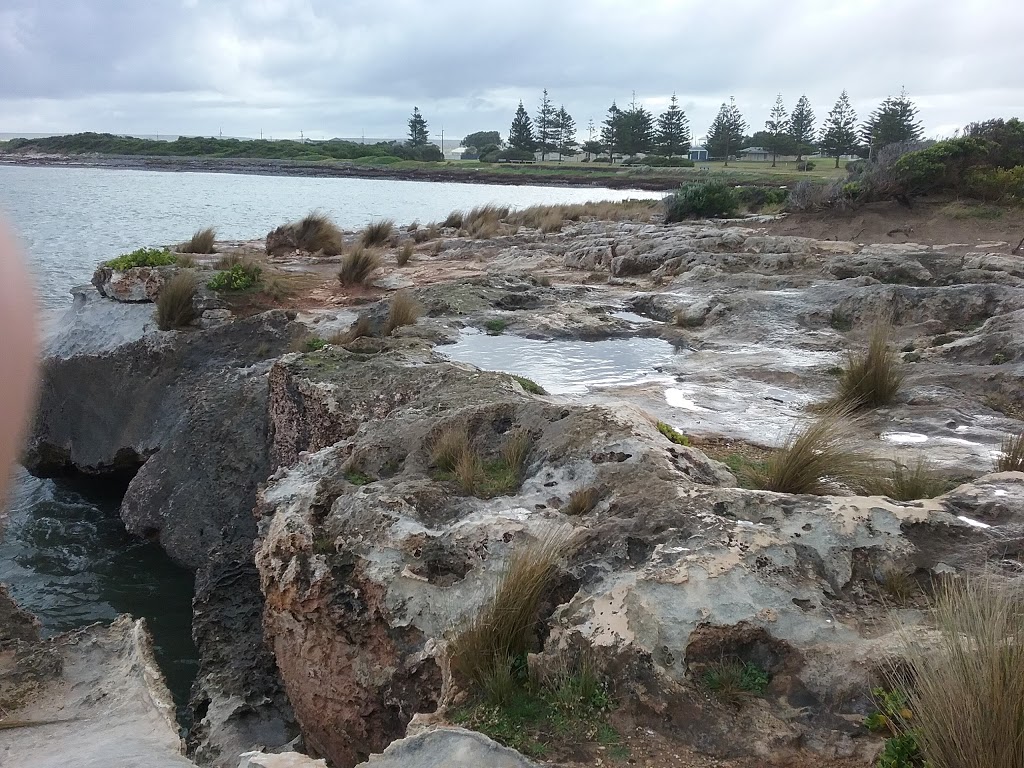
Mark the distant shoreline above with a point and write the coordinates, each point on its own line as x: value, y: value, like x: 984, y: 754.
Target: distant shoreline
x: 603, y: 178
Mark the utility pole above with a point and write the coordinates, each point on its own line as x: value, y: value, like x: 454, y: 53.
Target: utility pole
x: 302, y: 138
x: 442, y: 142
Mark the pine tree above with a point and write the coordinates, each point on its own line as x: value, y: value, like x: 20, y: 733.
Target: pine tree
x: 801, y: 126
x: 611, y: 131
x: 726, y: 131
x: 839, y: 133
x: 520, y: 135
x: 417, y: 129
x: 894, y: 121
x: 777, y: 127
x: 547, y: 126
x: 673, y: 136
x: 637, y: 134
x: 567, y: 143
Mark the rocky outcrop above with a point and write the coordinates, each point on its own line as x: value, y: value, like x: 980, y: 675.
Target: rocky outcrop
x: 448, y: 748
x: 131, y: 285
x: 667, y: 557
x: 105, y: 705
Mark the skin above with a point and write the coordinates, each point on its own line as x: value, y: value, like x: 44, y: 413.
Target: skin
x: 18, y: 354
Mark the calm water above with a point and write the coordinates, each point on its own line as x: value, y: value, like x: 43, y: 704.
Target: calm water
x: 71, y: 218
x: 63, y: 550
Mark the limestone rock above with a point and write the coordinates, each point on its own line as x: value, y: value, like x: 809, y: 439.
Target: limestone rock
x: 448, y: 748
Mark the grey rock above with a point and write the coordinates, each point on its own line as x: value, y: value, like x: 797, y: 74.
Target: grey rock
x: 448, y: 748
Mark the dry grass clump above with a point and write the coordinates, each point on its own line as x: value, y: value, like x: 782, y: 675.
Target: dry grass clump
x: 404, y: 255
x: 873, y: 376
x: 403, y: 309
x: 437, y: 247
x: 449, y: 447
x: 174, y: 305
x: 316, y: 232
x: 484, y: 221
x: 503, y: 629
x: 919, y: 480
x: 814, y: 457
x: 581, y: 501
x: 454, y: 220
x: 1011, y: 454
x: 626, y: 210
x: 227, y: 261
x: 455, y: 456
x: 552, y: 222
x: 966, y: 693
x: 433, y: 231
x: 361, y: 327
x: 377, y: 233
x: 201, y: 242
x: 898, y: 585
x: 358, y: 266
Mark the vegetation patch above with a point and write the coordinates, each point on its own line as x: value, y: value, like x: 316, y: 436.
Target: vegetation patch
x: 581, y: 501
x: 377, y: 234
x: 404, y: 255
x: 143, y: 257
x: 403, y: 309
x: 814, y: 458
x: 1011, y: 454
x: 496, y: 325
x: 175, y: 307
x: 732, y: 680
x: 703, y: 200
x: 355, y: 477
x: 358, y: 266
x: 458, y: 460
x: 529, y: 385
x: 919, y: 480
x: 676, y: 437
x: 873, y: 376
x: 201, y: 242
x: 240, y: 277
x: 314, y: 344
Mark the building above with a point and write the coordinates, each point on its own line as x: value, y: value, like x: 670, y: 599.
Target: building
x: 698, y: 154
x: 755, y: 153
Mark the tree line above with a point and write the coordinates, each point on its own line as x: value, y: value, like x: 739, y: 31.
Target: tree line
x: 636, y: 131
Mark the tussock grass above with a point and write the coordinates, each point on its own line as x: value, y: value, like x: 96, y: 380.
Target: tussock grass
x: 201, y: 242
x: 469, y: 472
x: 814, y: 457
x: 873, y: 376
x: 358, y: 266
x: 503, y: 629
x: 626, y: 210
x: 966, y: 694
x: 361, y: 327
x: 437, y: 247
x: 227, y: 261
x: 897, y: 584
x: 403, y: 309
x: 316, y: 232
x: 454, y: 220
x: 1011, y: 454
x: 732, y: 680
x: 581, y: 501
x: 377, y: 233
x: 174, y: 305
x: 455, y: 456
x: 484, y: 229
x: 404, y: 255
x: 185, y: 261
x: 516, y: 449
x: 433, y: 231
x: 552, y: 222
x: 449, y: 446
x: 902, y: 482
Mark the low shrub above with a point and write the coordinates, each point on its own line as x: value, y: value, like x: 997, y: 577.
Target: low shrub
x: 143, y: 257
x: 378, y: 233
x: 756, y: 198
x: 403, y: 309
x: 805, y: 165
x: 241, y: 277
x: 872, y: 376
x: 495, y: 326
x: 997, y: 184
x: 201, y: 242
x: 358, y: 266
x: 814, y: 457
x: 656, y: 161
x: 711, y: 199
x: 175, y: 307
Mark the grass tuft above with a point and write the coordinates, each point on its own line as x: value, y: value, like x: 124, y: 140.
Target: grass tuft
x: 377, y: 233
x: 201, y: 242
x: 552, y: 222
x: 965, y: 693
x: 174, y: 306
x: 908, y: 483
x: 403, y: 309
x: 316, y: 232
x: 449, y: 446
x: 581, y: 501
x: 873, y: 376
x: 814, y: 457
x: 358, y: 266
x: 404, y: 255
x: 898, y: 585
x: 1011, y: 454
x: 676, y: 437
x: 529, y: 385
x: 502, y: 630
x: 732, y: 681
x: 454, y: 220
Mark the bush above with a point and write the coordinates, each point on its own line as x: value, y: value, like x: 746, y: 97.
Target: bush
x: 358, y: 266
x: 805, y: 165
x: 201, y: 242
x: 507, y: 155
x: 656, y: 161
x: 756, y: 198
x: 174, y: 306
x: 873, y: 376
x: 996, y: 184
x: 813, y: 457
x: 711, y: 199
x: 966, y: 692
x: 143, y: 257
x: 241, y: 277
x: 377, y: 233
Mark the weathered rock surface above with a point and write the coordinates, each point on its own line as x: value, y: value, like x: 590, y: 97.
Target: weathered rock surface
x: 671, y: 570
x: 104, y: 706
x: 131, y: 285
x: 448, y: 748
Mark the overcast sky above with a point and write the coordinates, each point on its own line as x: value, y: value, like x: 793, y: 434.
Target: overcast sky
x: 349, y: 67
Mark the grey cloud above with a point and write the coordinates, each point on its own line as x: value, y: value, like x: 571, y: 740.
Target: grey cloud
x: 338, y: 68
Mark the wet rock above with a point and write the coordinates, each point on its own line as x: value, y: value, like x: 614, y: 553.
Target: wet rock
x: 448, y: 748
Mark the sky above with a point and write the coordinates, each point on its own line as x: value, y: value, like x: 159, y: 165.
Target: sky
x: 348, y: 68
